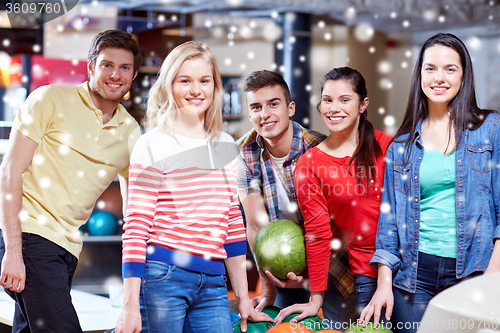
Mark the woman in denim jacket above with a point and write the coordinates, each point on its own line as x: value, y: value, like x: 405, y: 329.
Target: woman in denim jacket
x: 440, y: 212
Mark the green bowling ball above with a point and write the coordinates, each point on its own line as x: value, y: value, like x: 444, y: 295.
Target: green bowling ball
x: 358, y: 328
x: 313, y: 323
x: 279, y: 248
x: 252, y: 327
x: 272, y: 311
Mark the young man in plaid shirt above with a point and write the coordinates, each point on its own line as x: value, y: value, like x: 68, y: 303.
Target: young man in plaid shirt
x: 267, y: 158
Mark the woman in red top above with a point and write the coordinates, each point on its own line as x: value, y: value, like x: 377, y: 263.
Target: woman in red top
x: 338, y: 186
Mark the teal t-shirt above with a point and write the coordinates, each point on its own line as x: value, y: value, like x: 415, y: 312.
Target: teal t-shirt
x: 438, y: 211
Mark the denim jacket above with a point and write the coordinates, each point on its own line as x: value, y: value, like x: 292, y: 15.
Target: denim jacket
x: 477, y: 161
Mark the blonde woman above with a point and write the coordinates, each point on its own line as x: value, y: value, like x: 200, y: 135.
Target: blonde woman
x: 183, y: 225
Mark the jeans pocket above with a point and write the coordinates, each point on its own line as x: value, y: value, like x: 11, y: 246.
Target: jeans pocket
x: 402, y: 177
x: 157, y: 271
x: 480, y: 157
x: 224, y: 280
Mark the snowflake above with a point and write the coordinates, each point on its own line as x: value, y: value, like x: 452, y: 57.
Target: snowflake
x: 364, y: 32
x: 23, y: 215
x: 44, y: 182
x: 262, y: 217
x: 385, y: 208
x: 42, y: 220
x: 215, y: 233
x: 63, y: 149
x: 38, y: 159
x: 27, y: 119
x: 335, y: 244
x: 150, y: 250
x: 285, y: 249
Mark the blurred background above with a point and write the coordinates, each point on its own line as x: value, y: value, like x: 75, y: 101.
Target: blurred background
x: 301, y: 39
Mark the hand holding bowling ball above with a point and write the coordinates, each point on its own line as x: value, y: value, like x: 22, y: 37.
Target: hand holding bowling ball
x: 279, y: 248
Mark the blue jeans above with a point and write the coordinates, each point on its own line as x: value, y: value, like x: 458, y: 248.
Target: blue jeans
x: 290, y: 296
x: 340, y: 313
x: 45, y: 303
x: 434, y: 274
x: 365, y: 288
x: 171, y: 296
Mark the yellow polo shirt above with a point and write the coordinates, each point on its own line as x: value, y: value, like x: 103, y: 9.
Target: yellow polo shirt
x: 76, y: 159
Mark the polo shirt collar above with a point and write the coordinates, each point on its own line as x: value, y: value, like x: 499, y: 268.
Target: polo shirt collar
x: 118, y: 117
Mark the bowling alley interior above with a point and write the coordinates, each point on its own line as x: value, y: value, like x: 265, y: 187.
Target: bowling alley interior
x: 302, y: 40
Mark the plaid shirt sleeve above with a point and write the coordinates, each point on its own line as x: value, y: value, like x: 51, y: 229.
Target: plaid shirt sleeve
x: 339, y: 272
x: 247, y: 184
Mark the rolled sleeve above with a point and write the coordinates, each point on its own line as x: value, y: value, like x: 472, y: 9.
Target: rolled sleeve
x: 386, y: 258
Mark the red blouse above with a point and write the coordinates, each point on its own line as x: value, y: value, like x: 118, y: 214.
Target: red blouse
x: 331, y: 199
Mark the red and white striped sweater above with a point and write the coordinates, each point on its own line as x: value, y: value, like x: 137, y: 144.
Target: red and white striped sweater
x: 183, y: 206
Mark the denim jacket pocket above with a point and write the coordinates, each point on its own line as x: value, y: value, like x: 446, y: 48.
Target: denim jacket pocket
x: 402, y: 177
x: 480, y: 157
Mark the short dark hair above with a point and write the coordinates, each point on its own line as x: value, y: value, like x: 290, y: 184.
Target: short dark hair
x: 117, y: 39
x: 264, y: 78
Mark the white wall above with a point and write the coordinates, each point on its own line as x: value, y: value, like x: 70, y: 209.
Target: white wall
x: 63, y: 39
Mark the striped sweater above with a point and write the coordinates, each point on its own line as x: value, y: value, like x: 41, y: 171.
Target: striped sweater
x: 183, y: 206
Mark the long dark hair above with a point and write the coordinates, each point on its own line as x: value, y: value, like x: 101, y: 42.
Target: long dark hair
x: 464, y: 111
x: 368, y: 149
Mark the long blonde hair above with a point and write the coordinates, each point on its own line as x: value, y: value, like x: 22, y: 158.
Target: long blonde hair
x: 162, y: 108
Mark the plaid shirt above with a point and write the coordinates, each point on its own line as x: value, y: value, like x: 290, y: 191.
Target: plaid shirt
x: 255, y: 174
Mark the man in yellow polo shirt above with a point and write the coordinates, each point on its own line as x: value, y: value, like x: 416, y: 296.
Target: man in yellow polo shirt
x: 66, y: 146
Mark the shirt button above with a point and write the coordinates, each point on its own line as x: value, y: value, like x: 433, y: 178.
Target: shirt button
x: 460, y: 225
x: 459, y: 183
x: 420, y: 158
x: 460, y: 246
x: 416, y: 221
x: 459, y: 161
x: 415, y: 177
x: 416, y: 200
x: 376, y: 189
x: 460, y: 204
x: 416, y: 242
x: 378, y: 196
